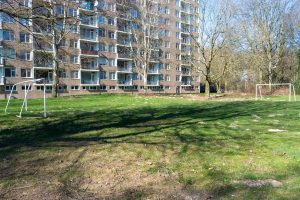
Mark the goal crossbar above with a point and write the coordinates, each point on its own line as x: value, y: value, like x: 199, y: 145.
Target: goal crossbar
x: 27, y: 88
x: 291, y: 90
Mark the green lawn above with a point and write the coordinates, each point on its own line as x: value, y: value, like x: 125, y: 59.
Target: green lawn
x: 132, y: 147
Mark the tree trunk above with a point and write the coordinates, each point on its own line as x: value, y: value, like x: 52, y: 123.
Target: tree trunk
x: 55, y: 80
x: 270, y: 76
x: 207, y: 88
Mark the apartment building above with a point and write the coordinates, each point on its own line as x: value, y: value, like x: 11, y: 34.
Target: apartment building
x: 96, y: 54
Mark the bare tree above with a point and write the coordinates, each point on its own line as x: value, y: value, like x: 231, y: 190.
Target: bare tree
x: 267, y: 28
x: 213, y: 44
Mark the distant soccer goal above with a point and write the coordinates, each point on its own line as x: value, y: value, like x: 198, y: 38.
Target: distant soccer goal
x: 275, y: 92
x: 27, y: 88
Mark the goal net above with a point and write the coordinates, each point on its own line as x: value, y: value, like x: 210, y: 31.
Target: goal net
x: 275, y: 92
x: 27, y: 85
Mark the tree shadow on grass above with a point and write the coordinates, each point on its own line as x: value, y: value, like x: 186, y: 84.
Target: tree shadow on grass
x: 162, y: 127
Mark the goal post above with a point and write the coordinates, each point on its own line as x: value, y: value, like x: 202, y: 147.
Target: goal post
x: 27, y: 88
x: 291, y: 90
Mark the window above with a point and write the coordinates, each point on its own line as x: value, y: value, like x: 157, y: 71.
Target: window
x: 74, y: 44
x: 103, y: 75
x: 72, y: 12
x: 24, y: 22
x: 177, y: 35
x: 178, y: 68
x: 59, y: 10
x: 102, y: 61
x: 112, y: 48
x: 112, y: 87
x: 9, y: 53
x: 25, y: 3
x: 111, y: 34
x: 27, y: 87
x: 177, y: 14
x: 177, y: 56
x: 25, y: 37
x: 112, y: 75
x: 102, y: 87
x: 167, y: 78
x: 74, y: 74
x: 177, y: 46
x: 167, y: 66
x: 74, y: 59
x: 110, y: 7
x: 62, y: 87
x: 63, y: 43
x: 167, y: 33
x: 8, y: 35
x: 101, y: 32
x: 73, y: 28
x: 25, y: 55
x: 177, y: 78
x: 101, y: 20
x: 10, y: 72
x: 26, y: 73
x: 74, y: 87
x: 111, y: 21
x: 7, y: 18
x: 102, y: 47
x: 111, y: 62
x: 62, y: 74
x: 167, y: 55
x: 177, y: 25
x: 167, y: 44
x: 167, y: 87
x: 9, y: 88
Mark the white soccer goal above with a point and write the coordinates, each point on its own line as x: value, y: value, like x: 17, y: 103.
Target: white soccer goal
x: 27, y: 88
x: 272, y: 88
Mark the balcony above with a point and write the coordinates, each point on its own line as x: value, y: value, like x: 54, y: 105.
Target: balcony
x: 124, y: 55
x: 185, y: 51
x: 185, y: 41
x: 124, y: 29
x: 185, y: 20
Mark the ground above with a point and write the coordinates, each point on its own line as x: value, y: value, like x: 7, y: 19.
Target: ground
x: 137, y: 147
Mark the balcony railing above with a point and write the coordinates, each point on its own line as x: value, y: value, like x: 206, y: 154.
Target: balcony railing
x: 185, y: 30
x: 186, y: 61
x: 42, y: 47
x: 86, y: 37
x: 87, y: 6
x: 153, y: 71
x: 124, y: 69
x: 123, y: 42
x: 1, y: 80
x: 89, y: 66
x: 124, y: 82
x: 46, y: 65
x: 89, y: 22
x: 123, y: 28
x: 89, y: 52
x: 155, y: 83
x: 1, y: 61
x: 89, y: 82
x: 187, y: 73
x: 185, y: 41
x: 185, y: 20
x: 186, y: 82
x: 124, y: 55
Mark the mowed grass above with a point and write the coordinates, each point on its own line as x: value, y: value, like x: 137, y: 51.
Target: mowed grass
x: 137, y: 147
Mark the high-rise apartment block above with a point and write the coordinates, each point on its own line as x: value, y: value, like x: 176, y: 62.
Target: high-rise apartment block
x: 96, y: 50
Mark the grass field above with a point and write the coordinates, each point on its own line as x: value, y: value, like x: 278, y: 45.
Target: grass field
x: 135, y: 147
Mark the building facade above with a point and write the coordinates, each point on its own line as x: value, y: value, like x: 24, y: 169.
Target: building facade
x: 94, y: 54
